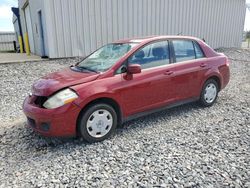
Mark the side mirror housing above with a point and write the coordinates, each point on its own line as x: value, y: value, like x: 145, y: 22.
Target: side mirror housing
x: 134, y: 69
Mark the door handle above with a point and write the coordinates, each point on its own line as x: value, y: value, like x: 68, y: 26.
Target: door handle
x: 203, y: 65
x: 168, y: 72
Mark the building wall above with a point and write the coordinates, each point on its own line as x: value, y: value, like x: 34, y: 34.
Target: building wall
x: 78, y: 27
x: 6, y: 41
x: 35, y: 6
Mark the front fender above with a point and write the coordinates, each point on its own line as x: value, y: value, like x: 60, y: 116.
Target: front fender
x: 90, y: 92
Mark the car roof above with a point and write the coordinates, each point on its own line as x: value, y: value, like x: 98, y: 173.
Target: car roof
x: 154, y: 38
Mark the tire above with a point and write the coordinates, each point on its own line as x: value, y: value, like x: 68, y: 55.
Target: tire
x: 97, y: 123
x: 209, y: 93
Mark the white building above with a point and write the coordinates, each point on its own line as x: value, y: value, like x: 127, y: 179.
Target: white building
x: 65, y: 28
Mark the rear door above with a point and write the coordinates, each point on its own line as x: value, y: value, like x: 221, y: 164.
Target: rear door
x: 152, y: 87
x: 190, y: 67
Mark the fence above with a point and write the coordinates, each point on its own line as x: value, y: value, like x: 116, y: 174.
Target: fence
x: 7, y: 41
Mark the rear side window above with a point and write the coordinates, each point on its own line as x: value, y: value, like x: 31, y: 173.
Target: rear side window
x: 152, y: 55
x: 184, y: 50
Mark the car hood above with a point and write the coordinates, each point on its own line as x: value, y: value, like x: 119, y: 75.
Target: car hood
x: 53, y: 82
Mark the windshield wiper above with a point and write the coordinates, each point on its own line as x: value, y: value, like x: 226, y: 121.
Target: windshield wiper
x: 86, y: 68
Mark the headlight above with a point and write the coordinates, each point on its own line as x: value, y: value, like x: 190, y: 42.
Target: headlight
x: 61, y: 98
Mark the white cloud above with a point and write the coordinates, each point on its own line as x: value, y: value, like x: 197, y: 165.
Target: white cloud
x: 5, y: 12
x: 6, y: 18
x: 247, y: 21
x: 11, y: 3
x: 6, y: 26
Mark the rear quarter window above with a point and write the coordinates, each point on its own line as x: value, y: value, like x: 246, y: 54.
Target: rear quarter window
x: 198, y: 52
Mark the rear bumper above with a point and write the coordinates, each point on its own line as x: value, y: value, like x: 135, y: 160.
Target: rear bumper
x: 59, y: 122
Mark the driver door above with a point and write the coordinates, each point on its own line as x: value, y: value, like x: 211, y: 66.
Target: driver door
x: 152, y: 87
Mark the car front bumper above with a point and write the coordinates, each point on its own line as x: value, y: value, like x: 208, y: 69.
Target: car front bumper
x: 59, y: 122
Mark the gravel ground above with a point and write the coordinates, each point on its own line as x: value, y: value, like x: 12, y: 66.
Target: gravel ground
x: 187, y: 146
x: 16, y: 81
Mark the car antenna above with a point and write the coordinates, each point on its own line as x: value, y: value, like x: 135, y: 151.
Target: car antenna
x: 203, y: 40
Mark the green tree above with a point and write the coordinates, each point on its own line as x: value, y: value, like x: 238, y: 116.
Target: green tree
x: 248, y: 38
x: 248, y: 35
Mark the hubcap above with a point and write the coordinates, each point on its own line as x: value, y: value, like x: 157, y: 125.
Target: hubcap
x: 99, y: 123
x: 210, y: 93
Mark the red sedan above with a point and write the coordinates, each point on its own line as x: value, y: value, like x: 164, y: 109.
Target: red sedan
x: 124, y: 80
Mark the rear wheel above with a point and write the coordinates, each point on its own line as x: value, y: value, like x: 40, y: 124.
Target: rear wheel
x: 209, y: 93
x: 97, y: 122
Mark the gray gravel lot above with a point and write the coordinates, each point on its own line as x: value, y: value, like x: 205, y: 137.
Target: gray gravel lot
x: 187, y: 146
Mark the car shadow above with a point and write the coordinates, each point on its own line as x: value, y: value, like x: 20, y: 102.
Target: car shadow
x: 164, y: 114
x: 40, y: 143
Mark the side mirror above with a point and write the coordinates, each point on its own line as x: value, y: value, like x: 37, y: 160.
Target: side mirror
x: 134, y: 69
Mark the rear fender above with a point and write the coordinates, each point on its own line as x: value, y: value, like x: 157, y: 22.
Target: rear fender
x: 212, y: 73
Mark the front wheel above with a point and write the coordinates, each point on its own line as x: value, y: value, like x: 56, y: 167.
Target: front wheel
x: 209, y: 93
x: 97, y: 123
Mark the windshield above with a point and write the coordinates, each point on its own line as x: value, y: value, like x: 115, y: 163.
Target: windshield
x: 105, y: 57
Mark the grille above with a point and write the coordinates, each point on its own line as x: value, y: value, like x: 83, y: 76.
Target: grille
x: 40, y: 100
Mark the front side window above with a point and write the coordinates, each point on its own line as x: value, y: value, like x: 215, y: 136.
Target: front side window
x: 184, y: 50
x: 105, y: 57
x: 122, y: 69
x: 152, y: 55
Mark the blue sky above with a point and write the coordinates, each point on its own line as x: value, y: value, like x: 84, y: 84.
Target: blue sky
x: 247, y: 20
x: 6, y: 15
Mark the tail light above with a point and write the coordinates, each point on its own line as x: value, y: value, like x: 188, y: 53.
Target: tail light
x: 227, y: 61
